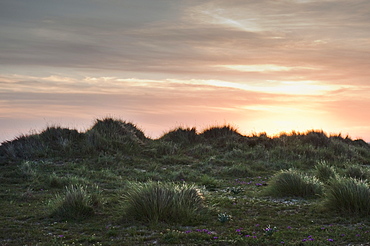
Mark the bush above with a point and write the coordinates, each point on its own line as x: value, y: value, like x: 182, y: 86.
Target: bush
x: 324, y: 172
x: 76, y: 204
x: 166, y: 202
x: 293, y: 183
x: 348, y: 195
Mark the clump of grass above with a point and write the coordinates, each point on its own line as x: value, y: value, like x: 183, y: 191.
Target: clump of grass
x: 316, y: 138
x: 112, y: 134
x: 167, y: 202
x: 27, y: 169
x: 181, y: 135
x: 348, y: 195
x: 324, y: 172
x: 294, y: 183
x: 208, y: 181
x: 55, y: 181
x: 357, y: 172
x: 220, y: 132
x: 77, y: 203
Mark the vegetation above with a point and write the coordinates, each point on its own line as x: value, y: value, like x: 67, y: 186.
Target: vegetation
x: 167, y: 202
x: 292, y: 183
x: 112, y: 185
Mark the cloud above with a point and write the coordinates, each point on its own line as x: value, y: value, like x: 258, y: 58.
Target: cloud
x: 178, y: 61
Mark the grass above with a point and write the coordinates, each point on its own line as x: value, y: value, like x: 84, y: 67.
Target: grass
x: 77, y: 203
x: 325, y: 172
x: 163, y: 202
x: 294, y: 183
x: 241, y: 177
x: 349, y: 196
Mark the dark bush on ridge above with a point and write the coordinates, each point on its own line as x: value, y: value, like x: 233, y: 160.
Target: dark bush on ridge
x: 316, y: 138
x: 220, y: 132
x: 110, y: 134
x: 181, y: 136
x: 52, y: 141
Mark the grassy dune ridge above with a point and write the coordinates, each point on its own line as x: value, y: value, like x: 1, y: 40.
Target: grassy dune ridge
x: 112, y: 185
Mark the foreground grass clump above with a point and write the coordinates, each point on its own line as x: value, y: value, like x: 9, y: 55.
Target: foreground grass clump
x: 294, y: 183
x: 76, y: 204
x: 348, y: 195
x: 324, y: 172
x: 167, y: 202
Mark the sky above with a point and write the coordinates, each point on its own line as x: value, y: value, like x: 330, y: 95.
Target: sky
x: 259, y: 65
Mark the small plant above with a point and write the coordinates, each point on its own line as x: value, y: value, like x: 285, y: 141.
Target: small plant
x: 77, y: 203
x: 208, y: 181
x: 269, y: 231
x: 224, y: 217
x: 235, y: 190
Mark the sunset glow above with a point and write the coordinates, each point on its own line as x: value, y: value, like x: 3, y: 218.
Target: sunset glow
x: 262, y: 66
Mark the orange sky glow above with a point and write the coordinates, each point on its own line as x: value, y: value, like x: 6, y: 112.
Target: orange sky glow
x: 260, y: 66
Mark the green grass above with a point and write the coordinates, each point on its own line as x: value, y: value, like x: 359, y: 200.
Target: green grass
x: 295, y: 184
x: 76, y: 203
x: 349, y: 196
x: 325, y: 172
x: 163, y: 202
x: 245, y: 178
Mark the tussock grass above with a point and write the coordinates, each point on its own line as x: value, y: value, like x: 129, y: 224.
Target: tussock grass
x: 220, y: 132
x: 184, y: 136
x: 76, y: 203
x: 167, y: 202
x: 357, y: 172
x: 112, y: 134
x: 325, y: 172
x: 56, y: 181
x: 294, y: 183
x: 348, y: 195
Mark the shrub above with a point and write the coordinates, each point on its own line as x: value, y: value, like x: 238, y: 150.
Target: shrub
x: 324, y: 172
x: 348, y: 195
x: 293, y: 183
x: 77, y: 203
x: 167, y: 202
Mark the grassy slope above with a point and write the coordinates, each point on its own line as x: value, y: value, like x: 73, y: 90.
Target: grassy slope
x: 35, y: 168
